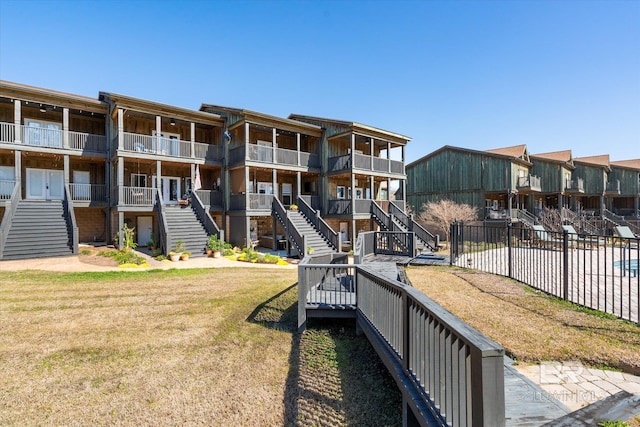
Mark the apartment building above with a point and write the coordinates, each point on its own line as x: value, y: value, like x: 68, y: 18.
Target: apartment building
x: 78, y: 169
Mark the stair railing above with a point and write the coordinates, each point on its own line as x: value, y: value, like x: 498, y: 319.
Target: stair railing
x: 525, y: 217
x: 72, y: 225
x: 204, y: 216
x: 380, y: 216
x: 430, y: 240
x: 164, y: 237
x: 619, y: 220
x: 298, y: 240
x: 313, y: 215
x: 10, y: 209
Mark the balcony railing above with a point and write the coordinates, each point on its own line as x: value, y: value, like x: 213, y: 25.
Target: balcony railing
x: 210, y: 198
x: 134, y: 196
x: 6, y: 188
x: 613, y: 187
x: 208, y: 151
x: 169, y: 147
x: 345, y: 207
x: 530, y: 182
x: 88, y: 192
x: 576, y: 185
x: 256, y: 201
x: 364, y: 162
x: 265, y: 154
x: 53, y: 138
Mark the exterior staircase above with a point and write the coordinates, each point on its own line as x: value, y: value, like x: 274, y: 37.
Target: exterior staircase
x: 305, y: 229
x: 183, y: 224
x: 314, y: 239
x: 38, y: 229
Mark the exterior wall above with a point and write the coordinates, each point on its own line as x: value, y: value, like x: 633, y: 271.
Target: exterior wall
x: 593, y: 176
x: 91, y: 224
x: 629, y: 180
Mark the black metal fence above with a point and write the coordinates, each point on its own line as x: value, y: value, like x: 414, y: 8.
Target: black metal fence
x: 598, y: 272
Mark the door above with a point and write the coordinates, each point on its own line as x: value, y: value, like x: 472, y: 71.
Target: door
x: 81, y: 185
x: 145, y: 229
x: 45, y: 184
x: 286, y: 194
x: 344, y: 232
x: 170, y: 189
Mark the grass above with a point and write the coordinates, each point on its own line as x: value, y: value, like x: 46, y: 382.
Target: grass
x: 167, y: 347
x: 531, y: 326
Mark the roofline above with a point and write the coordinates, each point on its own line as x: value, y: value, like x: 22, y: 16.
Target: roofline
x: 152, y: 107
x: 353, y: 125
x: 468, y: 150
x: 618, y: 164
x: 48, y: 96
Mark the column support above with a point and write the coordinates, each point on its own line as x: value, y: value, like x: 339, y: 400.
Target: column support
x: 298, y: 185
x: 65, y: 127
x: 192, y: 130
x: 18, y: 170
x: 388, y: 157
x: 274, y: 182
x: 274, y: 145
x: 159, y: 176
x: 120, y: 128
x: 298, y: 147
x: 65, y: 162
x: 388, y: 188
x: 372, y: 187
x: 17, y: 120
x: 371, y: 152
x: 246, y: 189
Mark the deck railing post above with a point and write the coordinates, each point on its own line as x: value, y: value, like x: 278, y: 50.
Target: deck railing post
x: 509, y: 248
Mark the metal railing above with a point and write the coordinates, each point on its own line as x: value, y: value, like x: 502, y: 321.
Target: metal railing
x: 6, y: 189
x: 10, y: 209
x: 88, y: 192
x: 594, y: 271
x: 448, y: 373
x: 320, y: 224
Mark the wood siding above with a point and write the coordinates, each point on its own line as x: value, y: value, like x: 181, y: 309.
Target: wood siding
x: 594, y: 178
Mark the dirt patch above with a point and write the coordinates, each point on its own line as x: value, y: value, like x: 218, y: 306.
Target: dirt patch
x: 91, y: 255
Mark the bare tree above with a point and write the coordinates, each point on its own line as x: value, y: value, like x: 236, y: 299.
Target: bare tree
x: 445, y: 212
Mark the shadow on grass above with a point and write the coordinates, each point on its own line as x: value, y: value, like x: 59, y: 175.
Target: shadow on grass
x: 335, y: 377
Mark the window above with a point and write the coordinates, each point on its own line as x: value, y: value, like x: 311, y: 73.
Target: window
x: 358, y: 193
x: 340, y: 192
x: 138, y: 180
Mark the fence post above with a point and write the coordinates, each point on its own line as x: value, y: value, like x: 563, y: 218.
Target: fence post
x: 565, y: 265
x: 509, y: 248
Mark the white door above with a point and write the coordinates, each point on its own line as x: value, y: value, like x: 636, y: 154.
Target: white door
x: 344, y: 231
x: 82, y: 186
x: 170, y: 189
x: 145, y: 229
x: 44, y: 184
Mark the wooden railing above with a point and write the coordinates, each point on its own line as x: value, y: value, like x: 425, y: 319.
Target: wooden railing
x: 299, y: 241
x: 165, y: 240
x: 430, y: 240
x: 70, y: 215
x: 203, y: 215
x: 88, y: 192
x: 208, y: 151
x: 7, y: 132
x: 135, y: 196
x: 10, y: 209
x: 265, y: 154
x: 575, y: 185
x: 365, y: 162
x: 6, y: 189
x: 448, y: 373
x: 53, y: 138
x: 210, y: 198
x: 87, y: 142
x: 313, y: 216
x: 531, y: 182
x: 613, y: 187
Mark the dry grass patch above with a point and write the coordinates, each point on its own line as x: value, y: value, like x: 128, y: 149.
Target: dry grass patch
x: 179, y: 347
x: 530, y: 325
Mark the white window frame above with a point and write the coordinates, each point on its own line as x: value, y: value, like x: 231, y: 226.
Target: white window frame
x: 135, y: 178
x: 341, y: 192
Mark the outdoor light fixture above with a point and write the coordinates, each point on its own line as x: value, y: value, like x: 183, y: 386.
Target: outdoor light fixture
x: 173, y: 122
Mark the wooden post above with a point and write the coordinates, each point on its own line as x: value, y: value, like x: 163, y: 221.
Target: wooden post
x: 17, y: 120
x: 193, y: 141
x: 388, y: 157
x: 120, y: 128
x: 298, y: 182
x: 65, y: 162
x: 159, y: 176
x: 18, y: 170
x: 298, y: 146
x: 371, y: 152
x: 274, y: 145
x: 65, y: 127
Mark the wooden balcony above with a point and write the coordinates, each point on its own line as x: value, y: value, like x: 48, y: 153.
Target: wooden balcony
x: 349, y: 207
x: 6, y: 188
x: 53, y: 138
x: 261, y: 202
x: 88, y: 194
x: 169, y: 147
x: 574, y: 186
x: 529, y: 183
x: 133, y: 196
x: 362, y: 162
x: 613, y: 188
x: 211, y: 199
x: 267, y: 155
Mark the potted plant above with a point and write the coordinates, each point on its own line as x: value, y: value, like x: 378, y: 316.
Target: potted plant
x: 293, y: 207
x: 215, y: 245
x: 185, y: 256
x: 310, y: 250
x: 176, y: 252
x: 152, y: 244
x: 350, y: 257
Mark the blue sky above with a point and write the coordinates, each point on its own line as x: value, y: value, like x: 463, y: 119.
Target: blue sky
x: 477, y: 74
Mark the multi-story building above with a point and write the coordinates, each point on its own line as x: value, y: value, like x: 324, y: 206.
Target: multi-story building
x: 627, y: 173
x: 557, y: 187
x: 77, y: 169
